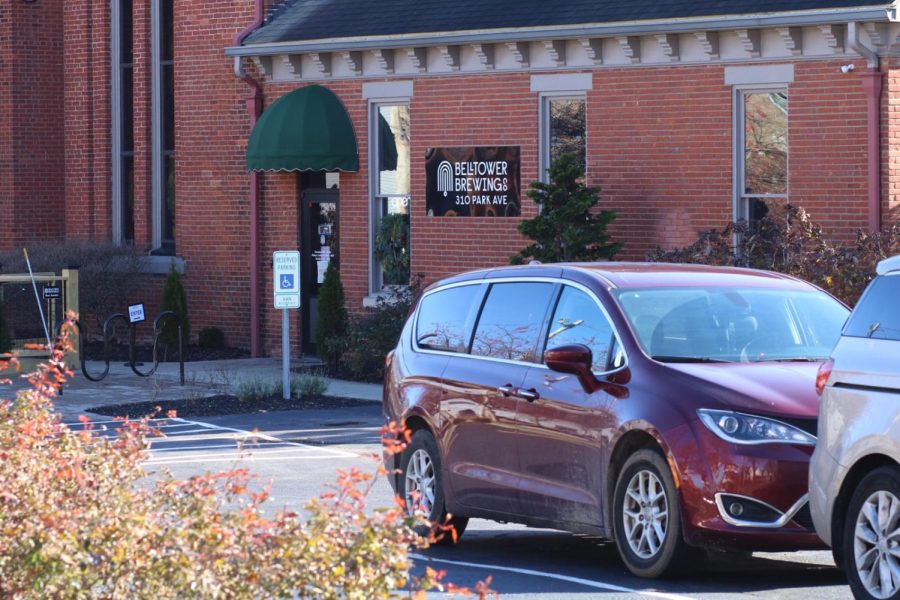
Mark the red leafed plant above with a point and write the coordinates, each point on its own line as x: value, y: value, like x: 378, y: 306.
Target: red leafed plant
x: 80, y: 518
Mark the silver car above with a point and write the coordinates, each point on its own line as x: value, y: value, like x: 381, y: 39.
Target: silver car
x: 854, y: 486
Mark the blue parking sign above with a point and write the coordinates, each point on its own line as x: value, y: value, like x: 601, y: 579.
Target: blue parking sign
x: 287, y: 281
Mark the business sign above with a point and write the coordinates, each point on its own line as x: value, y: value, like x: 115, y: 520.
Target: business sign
x: 52, y: 292
x: 472, y: 182
x: 286, y: 271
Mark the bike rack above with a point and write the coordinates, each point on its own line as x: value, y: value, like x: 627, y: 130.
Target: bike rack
x: 131, y: 343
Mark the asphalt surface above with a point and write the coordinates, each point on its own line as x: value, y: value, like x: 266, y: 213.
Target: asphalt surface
x: 299, y: 452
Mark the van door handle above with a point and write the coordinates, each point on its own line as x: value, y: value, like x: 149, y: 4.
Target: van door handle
x: 507, y: 390
x: 530, y: 395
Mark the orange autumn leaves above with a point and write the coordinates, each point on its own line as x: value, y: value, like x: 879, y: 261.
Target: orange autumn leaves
x: 80, y: 517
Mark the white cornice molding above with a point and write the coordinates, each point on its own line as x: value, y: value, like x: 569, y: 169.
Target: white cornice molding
x: 737, y: 46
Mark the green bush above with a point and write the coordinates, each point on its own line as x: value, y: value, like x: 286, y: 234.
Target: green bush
x: 308, y: 385
x: 174, y: 298
x: 787, y: 241
x: 332, y: 319
x: 373, y: 334
x: 5, y: 341
x: 567, y: 227
x: 212, y: 338
x: 255, y: 389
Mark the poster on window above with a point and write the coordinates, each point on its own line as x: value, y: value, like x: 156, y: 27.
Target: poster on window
x: 478, y: 181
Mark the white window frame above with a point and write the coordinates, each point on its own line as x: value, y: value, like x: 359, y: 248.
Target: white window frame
x: 741, y: 200
x: 545, y: 98
x: 376, y: 285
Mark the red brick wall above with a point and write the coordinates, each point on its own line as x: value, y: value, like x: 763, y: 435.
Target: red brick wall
x: 85, y: 92
x: 31, y: 158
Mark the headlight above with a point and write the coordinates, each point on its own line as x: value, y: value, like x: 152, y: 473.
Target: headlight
x: 739, y: 428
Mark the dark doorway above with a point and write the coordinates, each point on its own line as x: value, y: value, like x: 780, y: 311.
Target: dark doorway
x: 318, y: 245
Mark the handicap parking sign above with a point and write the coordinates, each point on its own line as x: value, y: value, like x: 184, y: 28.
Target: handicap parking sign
x: 286, y: 280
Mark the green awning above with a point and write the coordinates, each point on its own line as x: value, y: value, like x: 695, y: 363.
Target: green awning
x: 304, y: 130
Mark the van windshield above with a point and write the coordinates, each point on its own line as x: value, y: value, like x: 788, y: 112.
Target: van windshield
x: 725, y: 324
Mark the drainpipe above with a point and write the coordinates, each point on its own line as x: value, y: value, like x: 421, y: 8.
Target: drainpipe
x: 872, y: 83
x: 254, y: 108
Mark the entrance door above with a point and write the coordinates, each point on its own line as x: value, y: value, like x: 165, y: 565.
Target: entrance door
x: 318, y: 247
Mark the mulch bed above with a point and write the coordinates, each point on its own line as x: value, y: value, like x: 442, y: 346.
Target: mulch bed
x: 224, y: 404
x: 144, y: 353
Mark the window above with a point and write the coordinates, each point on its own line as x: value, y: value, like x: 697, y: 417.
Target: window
x: 876, y: 315
x: 563, y: 130
x: 733, y: 324
x: 445, y: 318
x: 163, y: 128
x: 122, y: 15
x: 512, y: 320
x: 578, y: 320
x: 390, y: 241
x: 762, y: 137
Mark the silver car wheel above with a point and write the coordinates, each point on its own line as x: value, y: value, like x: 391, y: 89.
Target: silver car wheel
x: 876, y: 544
x: 420, y: 483
x: 645, y: 514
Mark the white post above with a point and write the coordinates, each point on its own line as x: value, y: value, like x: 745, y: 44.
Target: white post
x: 285, y: 355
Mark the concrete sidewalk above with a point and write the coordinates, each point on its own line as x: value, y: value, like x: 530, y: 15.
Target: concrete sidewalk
x: 201, y: 379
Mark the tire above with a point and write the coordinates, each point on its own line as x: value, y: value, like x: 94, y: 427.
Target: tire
x: 420, y: 477
x: 648, y: 552
x: 867, y: 543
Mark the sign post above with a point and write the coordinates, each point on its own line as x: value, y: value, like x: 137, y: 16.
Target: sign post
x: 286, y: 272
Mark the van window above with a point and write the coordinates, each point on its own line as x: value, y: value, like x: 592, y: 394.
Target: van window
x: 578, y: 320
x: 512, y: 320
x: 445, y: 318
x: 876, y: 316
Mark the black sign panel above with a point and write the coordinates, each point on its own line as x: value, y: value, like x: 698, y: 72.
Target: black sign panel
x: 472, y: 182
x: 52, y: 292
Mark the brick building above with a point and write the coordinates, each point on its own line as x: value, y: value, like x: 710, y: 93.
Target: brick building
x: 371, y: 121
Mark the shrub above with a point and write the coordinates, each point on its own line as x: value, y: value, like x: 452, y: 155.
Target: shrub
x: 5, y: 341
x: 211, y: 338
x: 309, y: 384
x: 567, y: 228
x: 332, y: 319
x: 788, y: 241
x: 109, y: 275
x: 373, y: 334
x: 174, y: 298
x: 392, y: 248
x: 255, y: 389
x: 80, y: 519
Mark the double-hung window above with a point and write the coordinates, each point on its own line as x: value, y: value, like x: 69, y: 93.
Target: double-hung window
x: 563, y: 129
x: 163, y: 187
x: 761, y: 128
x: 389, y: 130
x: 122, y: 19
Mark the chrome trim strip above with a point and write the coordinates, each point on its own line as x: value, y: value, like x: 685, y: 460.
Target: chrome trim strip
x: 781, y: 522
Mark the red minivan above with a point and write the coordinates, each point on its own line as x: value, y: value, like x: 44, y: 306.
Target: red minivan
x: 662, y: 406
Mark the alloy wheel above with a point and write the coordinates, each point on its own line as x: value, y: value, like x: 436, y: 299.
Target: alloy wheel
x: 420, y: 483
x: 876, y: 544
x: 645, y: 514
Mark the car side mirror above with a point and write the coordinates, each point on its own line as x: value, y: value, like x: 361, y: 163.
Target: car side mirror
x: 576, y: 359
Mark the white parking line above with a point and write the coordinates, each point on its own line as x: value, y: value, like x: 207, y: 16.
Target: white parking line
x: 600, y: 585
x: 237, y: 458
